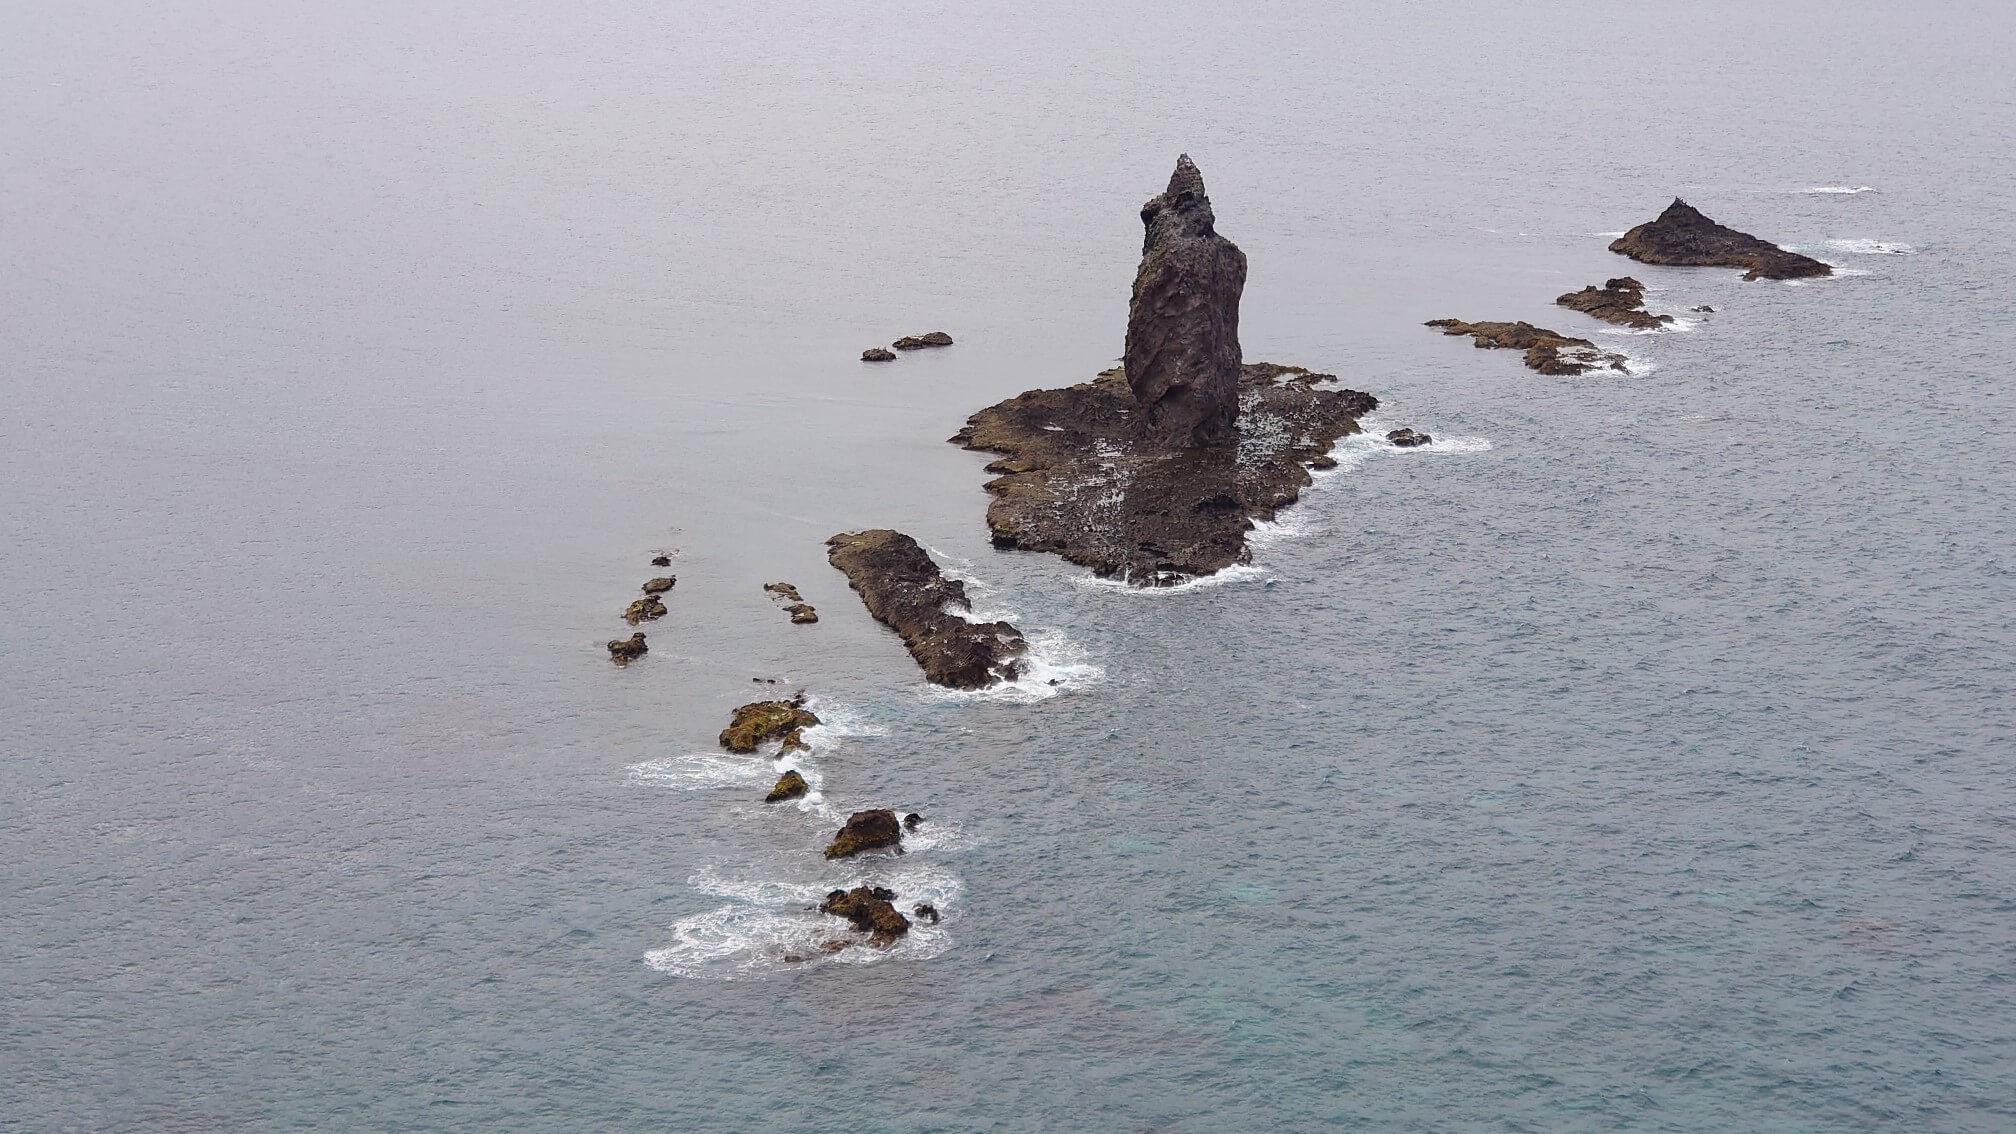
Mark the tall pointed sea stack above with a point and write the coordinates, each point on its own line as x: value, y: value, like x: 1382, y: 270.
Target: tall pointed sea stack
x: 1183, y: 324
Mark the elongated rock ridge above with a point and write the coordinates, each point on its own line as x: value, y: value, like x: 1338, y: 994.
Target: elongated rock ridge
x: 1549, y: 352
x: 1620, y: 301
x: 904, y: 590
x: 1682, y: 235
x: 1182, y: 357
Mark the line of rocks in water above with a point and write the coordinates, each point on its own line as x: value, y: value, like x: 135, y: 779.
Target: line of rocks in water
x: 908, y: 342
x: 1680, y: 235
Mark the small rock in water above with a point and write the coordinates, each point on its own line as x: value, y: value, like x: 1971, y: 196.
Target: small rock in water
x: 912, y: 821
x: 802, y: 613
x: 866, y: 830
x: 660, y: 585
x: 925, y: 911
x: 1326, y: 461
x: 790, y: 785
x: 869, y: 911
x: 919, y: 342
x: 759, y: 721
x: 623, y: 651
x: 1620, y: 301
x: 1549, y: 352
x: 1407, y: 438
x: 646, y: 609
x: 661, y: 561
x: 1705, y: 309
x: 878, y: 354
x: 785, y: 590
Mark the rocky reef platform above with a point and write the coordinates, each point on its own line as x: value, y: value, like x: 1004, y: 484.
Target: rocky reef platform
x: 1549, y: 352
x: 1620, y: 301
x: 1079, y: 476
x: 904, y: 590
x: 1682, y: 235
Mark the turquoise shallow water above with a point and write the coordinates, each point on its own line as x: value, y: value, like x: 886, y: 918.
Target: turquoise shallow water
x: 1634, y: 758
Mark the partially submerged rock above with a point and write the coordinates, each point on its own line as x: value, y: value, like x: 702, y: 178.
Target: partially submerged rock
x: 925, y: 911
x: 623, y: 651
x: 661, y: 561
x: 784, y: 590
x: 866, y: 830
x: 1620, y: 301
x: 760, y: 721
x: 912, y: 821
x: 1077, y: 481
x: 802, y: 613
x: 919, y: 342
x: 1182, y: 359
x: 904, y: 590
x: 646, y: 609
x: 1323, y: 463
x: 1407, y: 438
x: 1682, y: 235
x: 878, y: 354
x: 790, y: 785
x: 869, y: 911
x: 1549, y: 352
x: 659, y: 585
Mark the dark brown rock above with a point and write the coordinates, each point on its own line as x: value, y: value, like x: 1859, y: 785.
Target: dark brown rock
x: 1549, y: 352
x: 659, y: 585
x: 790, y: 785
x: 871, y: 914
x: 866, y: 830
x: 919, y: 342
x: 802, y: 614
x: 1681, y: 235
x: 1326, y: 461
x: 878, y: 354
x: 784, y: 590
x: 623, y: 651
x: 661, y: 561
x: 646, y: 609
x: 761, y: 721
x: 1620, y: 301
x: 912, y: 821
x: 925, y: 911
x: 1077, y: 481
x: 1182, y: 359
x: 1407, y: 439
x: 904, y: 590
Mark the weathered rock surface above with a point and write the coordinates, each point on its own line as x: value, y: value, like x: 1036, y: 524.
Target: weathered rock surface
x: 912, y: 821
x: 646, y: 609
x: 1077, y: 480
x: 904, y: 590
x: 878, y: 354
x: 1407, y: 438
x: 802, y: 614
x: 1324, y: 462
x: 784, y: 590
x: 1620, y: 301
x: 925, y: 911
x: 790, y: 785
x: 1549, y: 352
x: 1682, y: 235
x: 919, y: 342
x: 869, y: 911
x: 659, y: 585
x: 866, y: 830
x: 759, y: 721
x: 661, y: 561
x: 1183, y: 360
x: 623, y: 651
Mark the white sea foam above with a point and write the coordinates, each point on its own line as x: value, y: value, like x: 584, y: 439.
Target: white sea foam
x: 701, y: 771
x: 1237, y: 573
x: 766, y: 921
x: 1839, y: 273
x: 1053, y: 664
x: 1611, y: 235
x: 1842, y: 189
x: 1861, y: 247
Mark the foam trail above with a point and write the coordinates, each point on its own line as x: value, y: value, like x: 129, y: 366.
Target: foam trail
x: 1053, y: 664
x: 1861, y: 247
x: 1842, y: 189
x: 701, y: 771
x: 767, y: 921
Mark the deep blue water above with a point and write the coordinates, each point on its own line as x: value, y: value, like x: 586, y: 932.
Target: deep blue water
x: 1636, y: 758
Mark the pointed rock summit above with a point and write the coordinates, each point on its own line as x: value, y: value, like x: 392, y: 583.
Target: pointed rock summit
x: 1183, y: 356
x: 1682, y: 235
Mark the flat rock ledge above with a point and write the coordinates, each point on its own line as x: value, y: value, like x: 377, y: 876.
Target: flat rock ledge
x: 1620, y: 301
x: 761, y: 721
x: 904, y: 590
x: 1549, y: 352
x: 1682, y: 235
x: 1077, y: 479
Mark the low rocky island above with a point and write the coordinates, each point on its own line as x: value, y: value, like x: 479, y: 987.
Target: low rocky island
x: 878, y: 354
x: 1549, y: 352
x: 623, y: 651
x: 801, y: 612
x: 1682, y: 235
x: 872, y: 910
x: 761, y: 721
x: 866, y: 830
x: 790, y: 785
x: 904, y: 590
x: 1155, y: 471
x: 1407, y: 438
x: 920, y: 342
x: 1620, y: 301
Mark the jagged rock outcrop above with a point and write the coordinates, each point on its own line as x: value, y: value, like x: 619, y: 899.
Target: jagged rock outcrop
x: 1682, y: 235
x: 646, y: 609
x: 871, y: 912
x: 878, y: 354
x: 1182, y: 359
x: 784, y: 590
x: 1620, y: 301
x: 1549, y: 352
x: 761, y: 721
x: 1075, y: 480
x: 904, y: 590
x: 866, y: 830
x: 1407, y: 438
x: 623, y: 651
x: 919, y: 342
x: 925, y: 911
x: 790, y: 785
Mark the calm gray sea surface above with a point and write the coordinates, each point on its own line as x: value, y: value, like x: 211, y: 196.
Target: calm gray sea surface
x: 1635, y: 758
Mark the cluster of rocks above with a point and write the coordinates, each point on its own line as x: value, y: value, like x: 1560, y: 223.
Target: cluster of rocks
x: 801, y: 612
x: 907, y: 342
x: 905, y: 591
x: 649, y: 608
x: 1680, y: 235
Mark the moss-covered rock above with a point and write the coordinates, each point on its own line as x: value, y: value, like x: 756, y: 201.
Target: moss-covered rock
x: 646, y: 609
x: 623, y: 651
x: 871, y: 912
x: 866, y: 830
x: 759, y: 721
x: 790, y: 785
